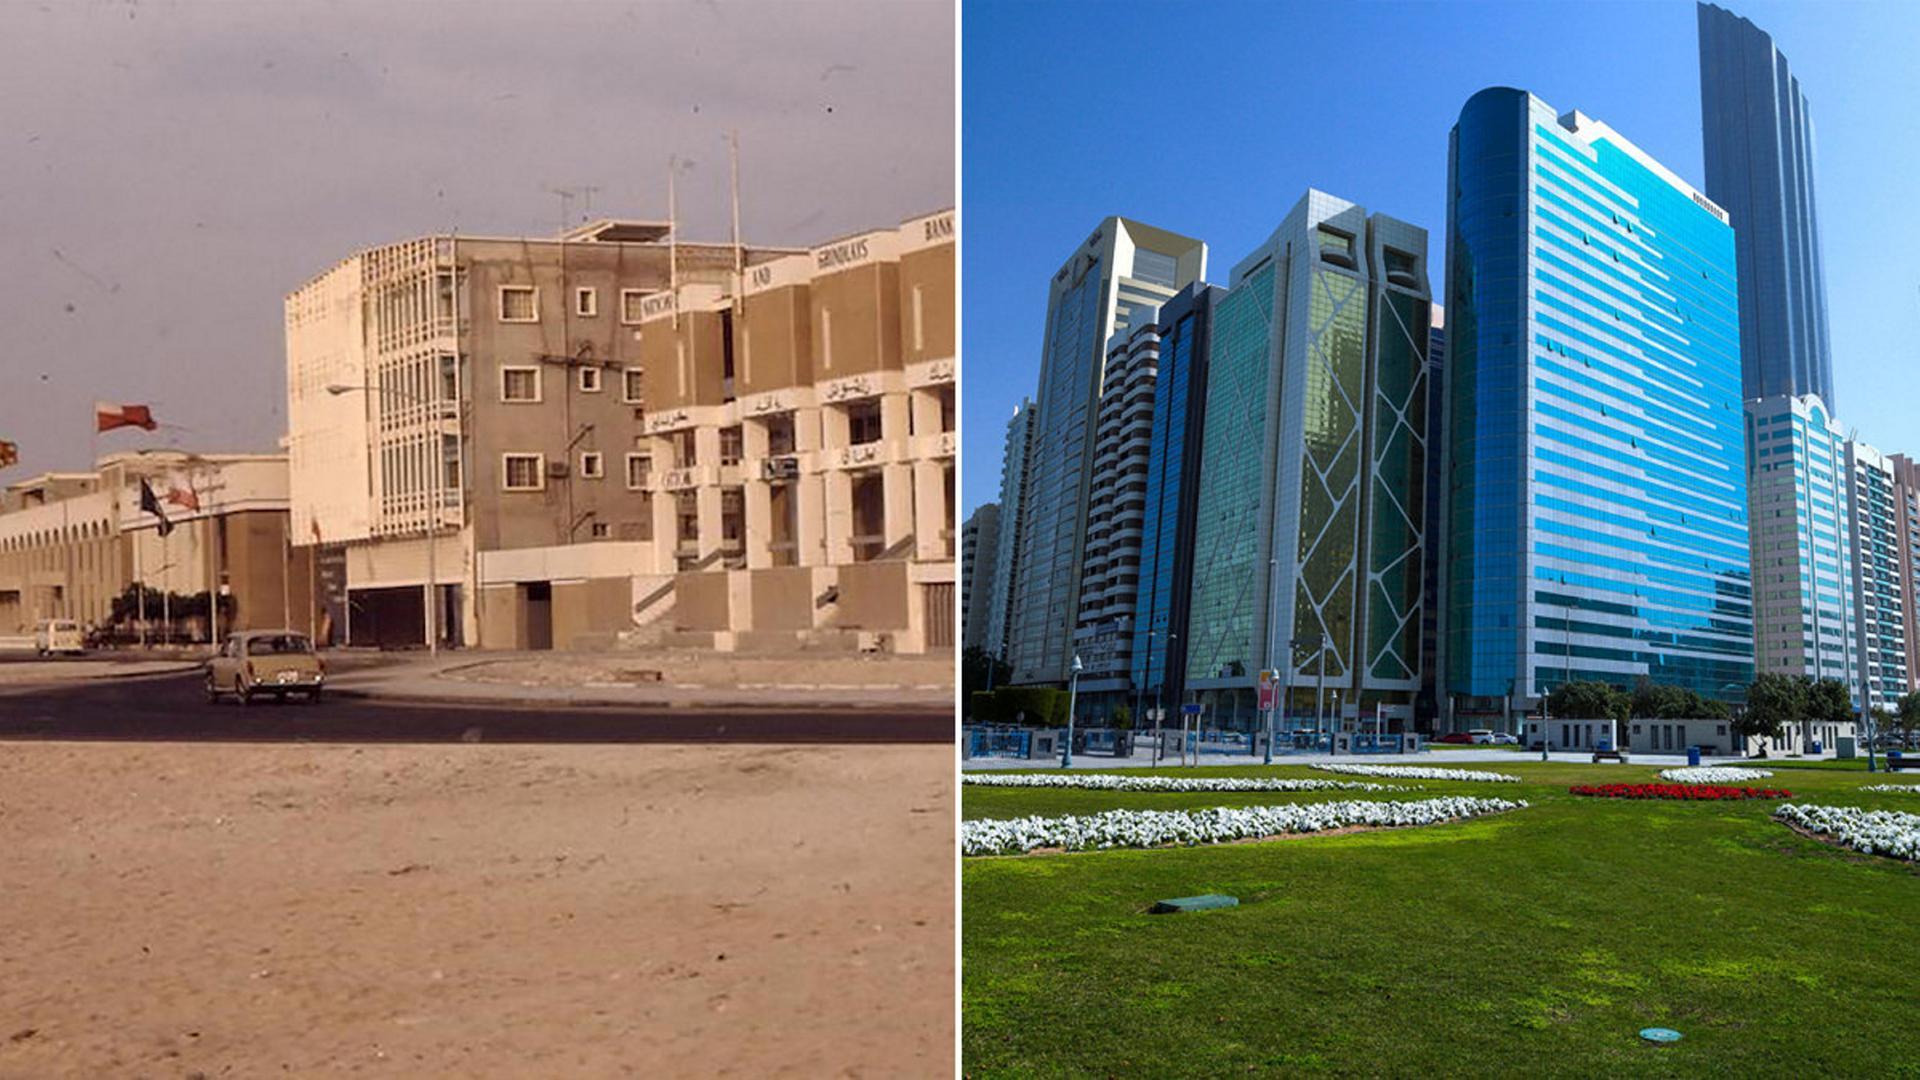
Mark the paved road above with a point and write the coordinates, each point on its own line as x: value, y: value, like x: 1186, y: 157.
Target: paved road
x: 173, y: 708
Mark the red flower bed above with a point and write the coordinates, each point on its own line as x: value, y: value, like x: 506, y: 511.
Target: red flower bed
x: 1706, y: 792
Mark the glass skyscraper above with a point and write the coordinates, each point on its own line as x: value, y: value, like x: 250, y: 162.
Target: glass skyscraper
x: 1759, y: 158
x: 1124, y: 268
x: 1597, y: 499
x: 1308, y: 525
x: 1173, y: 471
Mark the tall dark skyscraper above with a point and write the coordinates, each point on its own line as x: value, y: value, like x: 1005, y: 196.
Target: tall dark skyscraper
x: 1759, y: 154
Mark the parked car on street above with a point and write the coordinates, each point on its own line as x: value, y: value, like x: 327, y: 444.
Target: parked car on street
x: 1454, y: 738
x: 59, y: 636
x: 258, y: 662
x: 1481, y: 736
x: 1502, y: 738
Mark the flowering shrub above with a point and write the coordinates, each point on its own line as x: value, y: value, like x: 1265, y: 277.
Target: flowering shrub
x: 1418, y: 772
x: 1111, y: 782
x: 1904, y: 789
x: 1704, y: 792
x: 1150, y: 828
x: 1876, y: 832
x: 1713, y: 774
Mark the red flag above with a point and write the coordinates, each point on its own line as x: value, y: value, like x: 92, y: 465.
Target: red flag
x: 106, y: 417
x: 183, y: 497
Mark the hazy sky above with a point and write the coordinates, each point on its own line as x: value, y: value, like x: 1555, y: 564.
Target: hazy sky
x: 1215, y: 118
x: 170, y: 171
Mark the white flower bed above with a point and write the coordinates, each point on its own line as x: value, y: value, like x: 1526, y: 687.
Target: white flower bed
x: 1112, y: 782
x: 1876, y: 832
x: 1151, y: 828
x: 1904, y: 789
x: 1419, y: 772
x: 1713, y: 774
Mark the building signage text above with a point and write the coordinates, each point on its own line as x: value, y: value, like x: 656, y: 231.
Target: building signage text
x: 839, y: 256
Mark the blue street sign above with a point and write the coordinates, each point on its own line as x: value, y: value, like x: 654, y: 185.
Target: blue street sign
x: 1190, y: 710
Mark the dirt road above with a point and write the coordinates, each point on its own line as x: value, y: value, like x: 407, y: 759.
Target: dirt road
x: 283, y: 909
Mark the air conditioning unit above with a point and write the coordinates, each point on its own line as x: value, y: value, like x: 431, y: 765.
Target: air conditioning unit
x: 556, y: 470
x: 779, y: 468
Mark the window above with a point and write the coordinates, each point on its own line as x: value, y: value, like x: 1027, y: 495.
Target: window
x: 826, y: 339
x: 863, y: 423
x: 639, y: 466
x: 523, y: 472
x: 590, y: 380
x: 731, y: 444
x: 601, y: 530
x: 519, y: 303
x: 630, y: 305
x: 520, y: 384
x: 919, y: 319
x: 586, y: 302
x: 630, y: 391
x: 592, y: 465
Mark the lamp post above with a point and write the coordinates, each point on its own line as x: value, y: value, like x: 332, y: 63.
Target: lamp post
x: 1073, y: 693
x: 1140, y: 689
x: 437, y: 468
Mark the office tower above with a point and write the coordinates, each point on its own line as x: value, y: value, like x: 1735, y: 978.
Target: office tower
x: 1759, y: 158
x: 1805, y: 614
x: 1122, y: 270
x: 1173, y: 488
x: 1596, y: 525
x: 1906, y: 512
x: 1428, y: 707
x: 1312, y: 474
x: 1877, y: 586
x: 979, y: 548
x: 1013, y: 497
x: 1116, y: 501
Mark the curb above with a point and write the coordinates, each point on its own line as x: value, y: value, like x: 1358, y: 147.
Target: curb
x: 359, y: 694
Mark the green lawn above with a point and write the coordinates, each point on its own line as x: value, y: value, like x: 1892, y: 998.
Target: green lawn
x: 1537, y: 942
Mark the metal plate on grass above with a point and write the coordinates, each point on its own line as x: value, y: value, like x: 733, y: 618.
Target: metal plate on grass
x: 1660, y: 1035
x: 1195, y: 903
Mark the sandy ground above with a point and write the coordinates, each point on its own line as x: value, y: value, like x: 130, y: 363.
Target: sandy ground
x: 181, y: 910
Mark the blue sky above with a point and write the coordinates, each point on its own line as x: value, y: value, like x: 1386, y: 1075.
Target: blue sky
x: 1211, y: 119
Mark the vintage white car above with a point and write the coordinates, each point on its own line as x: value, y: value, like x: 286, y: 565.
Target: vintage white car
x: 257, y: 662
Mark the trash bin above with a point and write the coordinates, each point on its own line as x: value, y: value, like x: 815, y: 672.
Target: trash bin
x: 1693, y: 756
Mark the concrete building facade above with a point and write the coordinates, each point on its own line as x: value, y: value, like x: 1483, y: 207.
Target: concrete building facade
x: 554, y: 432
x: 72, y: 543
x: 1013, y: 493
x: 1805, y: 605
x: 1906, y: 512
x: 1116, y: 504
x: 979, y: 548
x: 799, y: 445
x: 1879, y: 592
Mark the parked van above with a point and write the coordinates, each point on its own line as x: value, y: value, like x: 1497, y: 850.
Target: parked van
x: 58, y: 636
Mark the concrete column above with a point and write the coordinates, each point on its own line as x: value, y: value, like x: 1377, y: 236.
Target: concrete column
x: 926, y: 412
x: 665, y: 538
x: 756, y: 494
x: 897, y: 483
x: 838, y: 497
x: 929, y: 506
x: 706, y: 451
x: 810, y: 493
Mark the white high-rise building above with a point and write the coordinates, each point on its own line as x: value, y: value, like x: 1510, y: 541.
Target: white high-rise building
x: 1805, y: 621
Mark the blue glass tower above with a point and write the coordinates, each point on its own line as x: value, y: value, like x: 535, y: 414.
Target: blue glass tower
x: 1596, y: 486
x: 1173, y: 470
x: 1759, y: 157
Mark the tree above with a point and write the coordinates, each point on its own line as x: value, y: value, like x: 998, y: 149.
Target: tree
x: 1773, y: 702
x: 1910, y: 713
x: 1122, y: 717
x: 981, y: 670
x: 1589, y: 701
x: 1829, y: 702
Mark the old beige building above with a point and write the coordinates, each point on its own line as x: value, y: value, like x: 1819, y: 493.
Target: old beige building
x: 70, y: 543
x: 479, y: 420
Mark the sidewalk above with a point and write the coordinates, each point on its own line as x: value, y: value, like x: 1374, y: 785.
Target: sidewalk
x: 658, y: 678
x: 34, y: 672
x: 1477, y: 760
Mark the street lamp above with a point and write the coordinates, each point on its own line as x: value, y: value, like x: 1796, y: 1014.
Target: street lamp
x: 1073, y: 692
x: 437, y: 470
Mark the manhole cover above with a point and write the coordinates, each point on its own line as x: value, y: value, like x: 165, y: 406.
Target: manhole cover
x: 1660, y: 1035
